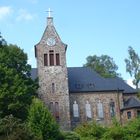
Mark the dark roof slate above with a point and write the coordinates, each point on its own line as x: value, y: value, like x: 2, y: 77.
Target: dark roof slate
x: 83, y: 79
x: 121, y: 84
x: 132, y: 102
x: 34, y: 73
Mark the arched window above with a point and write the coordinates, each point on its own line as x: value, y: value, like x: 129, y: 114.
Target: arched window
x: 57, y: 59
x: 51, y: 108
x: 88, y: 110
x: 56, y: 110
x: 51, y: 57
x: 112, y: 108
x: 45, y: 59
x: 75, y: 110
x: 100, y: 110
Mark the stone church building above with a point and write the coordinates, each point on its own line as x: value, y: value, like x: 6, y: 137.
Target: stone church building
x: 78, y: 94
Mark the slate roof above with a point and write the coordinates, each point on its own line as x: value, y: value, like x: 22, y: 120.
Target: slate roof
x: 34, y: 73
x: 121, y: 84
x: 132, y: 102
x: 82, y: 79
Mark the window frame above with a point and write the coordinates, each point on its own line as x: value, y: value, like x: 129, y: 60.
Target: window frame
x: 45, y: 59
x: 100, y: 110
x: 129, y: 114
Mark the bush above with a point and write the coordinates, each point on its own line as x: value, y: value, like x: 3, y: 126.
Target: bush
x: 11, y: 128
x: 91, y: 130
x: 69, y: 135
x: 87, y: 138
x: 132, y: 129
x: 114, y: 132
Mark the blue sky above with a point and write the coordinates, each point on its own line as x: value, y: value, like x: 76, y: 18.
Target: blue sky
x: 89, y: 27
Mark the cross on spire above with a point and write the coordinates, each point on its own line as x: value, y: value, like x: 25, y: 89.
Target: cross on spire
x: 49, y: 12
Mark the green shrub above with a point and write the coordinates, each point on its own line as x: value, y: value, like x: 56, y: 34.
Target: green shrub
x: 11, y: 128
x: 41, y: 122
x: 69, y: 135
x: 90, y: 130
x: 132, y: 130
x: 114, y: 132
x: 87, y: 138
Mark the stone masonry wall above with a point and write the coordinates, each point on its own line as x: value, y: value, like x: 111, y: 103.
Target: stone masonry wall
x: 93, y: 98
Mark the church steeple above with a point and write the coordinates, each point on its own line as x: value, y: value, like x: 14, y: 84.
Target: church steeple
x: 50, y: 21
x: 49, y: 18
x: 52, y: 73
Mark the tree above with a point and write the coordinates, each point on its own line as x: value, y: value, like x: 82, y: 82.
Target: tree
x: 104, y: 65
x: 16, y: 86
x: 13, y: 129
x: 2, y: 40
x: 41, y: 122
x: 133, y: 65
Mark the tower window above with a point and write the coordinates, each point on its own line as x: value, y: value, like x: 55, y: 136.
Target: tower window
x: 56, y: 110
x: 45, y: 60
x: 53, y: 88
x: 57, y: 59
x: 51, y: 56
x: 51, y: 107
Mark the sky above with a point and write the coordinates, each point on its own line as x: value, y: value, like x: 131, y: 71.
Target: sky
x: 88, y: 27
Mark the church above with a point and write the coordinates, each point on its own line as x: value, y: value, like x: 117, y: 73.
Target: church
x: 76, y: 95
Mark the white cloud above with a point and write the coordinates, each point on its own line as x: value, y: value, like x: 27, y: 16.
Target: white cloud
x: 129, y: 82
x: 24, y: 15
x: 5, y: 11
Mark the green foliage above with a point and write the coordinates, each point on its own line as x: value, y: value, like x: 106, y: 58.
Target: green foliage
x: 16, y: 86
x: 69, y: 135
x: 41, y: 122
x: 87, y: 138
x: 116, y: 132
x: 130, y: 131
x: 133, y: 65
x: 12, y: 129
x: 2, y: 41
x: 91, y: 130
x: 133, y: 129
x: 104, y: 65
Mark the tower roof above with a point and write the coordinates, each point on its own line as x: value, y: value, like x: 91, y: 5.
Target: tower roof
x: 50, y: 33
x: 132, y: 102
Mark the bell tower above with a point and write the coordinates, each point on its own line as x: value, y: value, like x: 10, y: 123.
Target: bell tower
x: 50, y: 54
